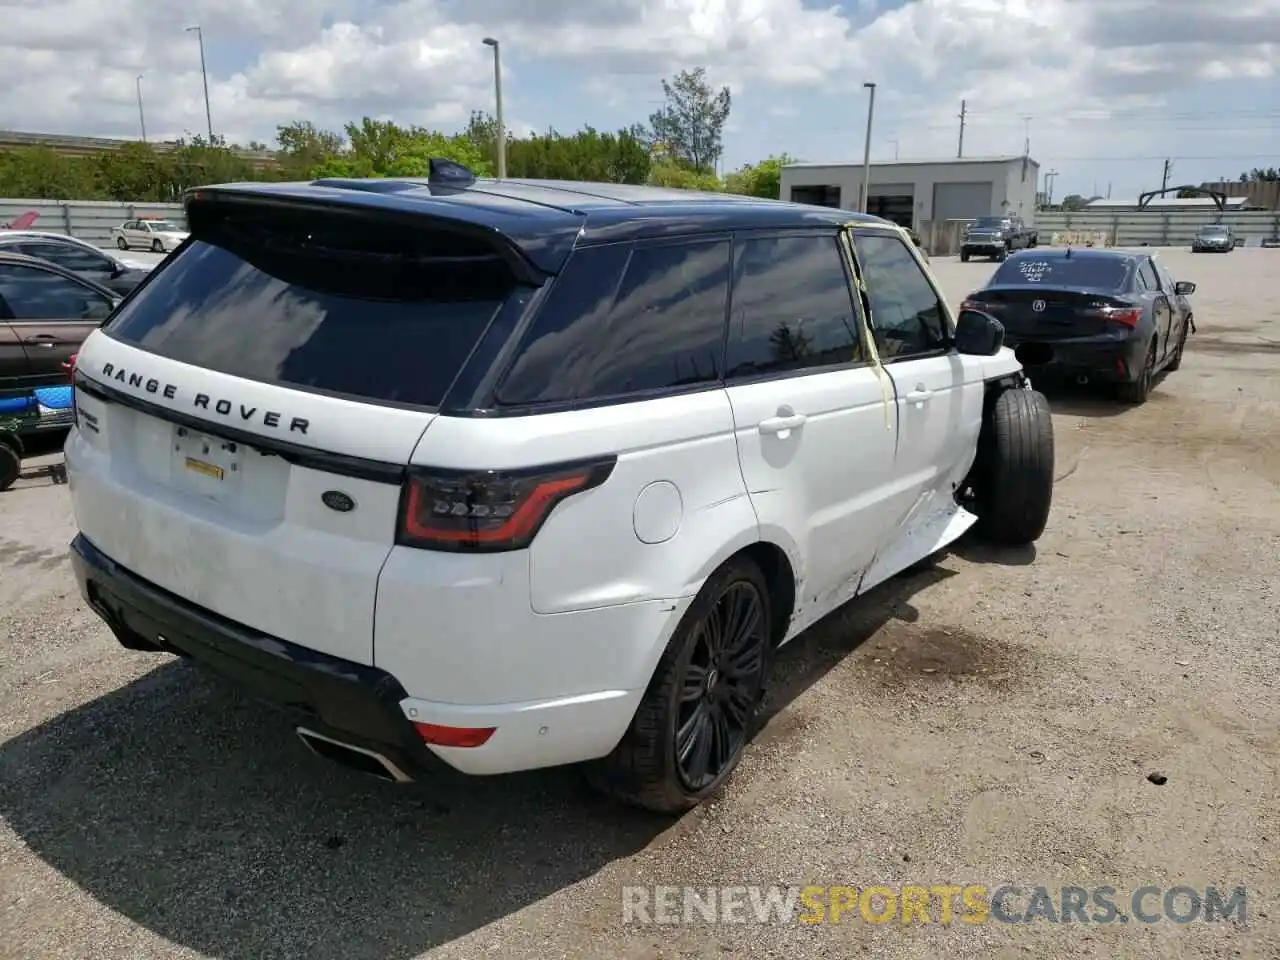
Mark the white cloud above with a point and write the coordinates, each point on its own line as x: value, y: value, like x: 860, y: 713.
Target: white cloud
x: 70, y: 66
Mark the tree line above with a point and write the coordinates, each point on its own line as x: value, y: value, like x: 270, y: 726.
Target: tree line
x: 680, y: 146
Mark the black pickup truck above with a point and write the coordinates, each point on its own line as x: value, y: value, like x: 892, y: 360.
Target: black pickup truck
x: 997, y: 237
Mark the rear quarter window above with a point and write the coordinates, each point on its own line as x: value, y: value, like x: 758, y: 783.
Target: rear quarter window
x: 623, y: 321
x: 376, y: 311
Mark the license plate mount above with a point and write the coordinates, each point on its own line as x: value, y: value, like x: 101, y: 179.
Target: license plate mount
x: 205, y: 464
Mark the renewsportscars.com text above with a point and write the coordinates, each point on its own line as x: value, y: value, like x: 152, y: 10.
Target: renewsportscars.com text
x: 937, y: 903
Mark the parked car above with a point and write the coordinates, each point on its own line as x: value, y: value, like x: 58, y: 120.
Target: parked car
x: 118, y: 274
x: 46, y: 312
x: 1214, y: 238
x: 1096, y: 315
x: 489, y: 475
x: 997, y: 237
x: 154, y: 234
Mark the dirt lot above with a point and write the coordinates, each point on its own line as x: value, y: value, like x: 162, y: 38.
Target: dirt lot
x: 991, y: 721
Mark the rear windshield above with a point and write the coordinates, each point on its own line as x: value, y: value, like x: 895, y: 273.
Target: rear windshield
x: 1099, y: 273
x: 334, y: 302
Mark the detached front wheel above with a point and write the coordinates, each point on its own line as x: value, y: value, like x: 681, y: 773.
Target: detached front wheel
x: 1013, y: 473
x: 702, y: 704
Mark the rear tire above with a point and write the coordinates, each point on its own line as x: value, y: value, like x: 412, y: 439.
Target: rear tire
x: 702, y: 703
x: 1014, y: 481
x: 157, y: 246
x: 10, y: 464
x: 964, y: 256
x: 1136, y: 392
x: 122, y: 243
x: 1002, y: 255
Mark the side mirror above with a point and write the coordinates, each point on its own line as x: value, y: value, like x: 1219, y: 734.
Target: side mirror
x: 1184, y: 288
x: 978, y: 334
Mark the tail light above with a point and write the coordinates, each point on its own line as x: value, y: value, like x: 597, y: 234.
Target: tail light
x: 971, y: 304
x: 1129, y: 316
x: 70, y: 366
x: 488, y: 510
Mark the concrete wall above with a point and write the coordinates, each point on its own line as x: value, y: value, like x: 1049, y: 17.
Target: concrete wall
x: 1129, y: 228
x: 90, y: 220
x: 1005, y: 175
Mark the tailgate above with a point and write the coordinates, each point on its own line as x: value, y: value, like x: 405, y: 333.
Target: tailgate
x: 197, y: 498
x: 245, y: 418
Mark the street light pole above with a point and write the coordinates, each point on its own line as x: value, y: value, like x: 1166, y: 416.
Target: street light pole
x: 497, y: 94
x: 142, y: 119
x: 204, y: 74
x: 866, y: 153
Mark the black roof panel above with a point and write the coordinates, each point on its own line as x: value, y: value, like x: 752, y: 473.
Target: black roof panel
x: 544, y: 219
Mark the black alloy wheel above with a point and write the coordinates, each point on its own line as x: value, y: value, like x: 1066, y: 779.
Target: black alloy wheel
x: 720, y: 686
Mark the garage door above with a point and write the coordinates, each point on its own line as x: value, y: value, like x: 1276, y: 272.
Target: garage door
x: 962, y: 201
x: 895, y: 201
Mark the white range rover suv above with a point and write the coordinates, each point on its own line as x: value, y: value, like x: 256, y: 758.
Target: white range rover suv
x: 512, y: 474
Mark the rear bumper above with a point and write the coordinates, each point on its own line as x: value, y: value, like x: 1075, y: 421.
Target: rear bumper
x: 346, y: 701
x: 355, y: 704
x: 1105, y: 359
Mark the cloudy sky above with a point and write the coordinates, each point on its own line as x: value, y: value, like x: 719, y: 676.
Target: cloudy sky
x: 1106, y: 89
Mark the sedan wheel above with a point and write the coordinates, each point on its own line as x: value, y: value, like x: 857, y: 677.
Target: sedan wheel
x: 122, y: 243
x: 1137, y: 391
x: 157, y: 246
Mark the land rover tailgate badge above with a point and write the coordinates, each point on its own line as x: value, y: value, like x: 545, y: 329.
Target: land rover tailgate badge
x: 337, y: 500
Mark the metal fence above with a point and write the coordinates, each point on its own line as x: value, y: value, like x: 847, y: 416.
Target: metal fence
x: 89, y: 220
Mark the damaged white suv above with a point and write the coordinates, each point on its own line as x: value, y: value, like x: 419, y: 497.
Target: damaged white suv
x: 516, y: 474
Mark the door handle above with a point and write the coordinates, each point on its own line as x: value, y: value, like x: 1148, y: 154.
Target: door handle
x: 782, y: 426
x: 918, y: 395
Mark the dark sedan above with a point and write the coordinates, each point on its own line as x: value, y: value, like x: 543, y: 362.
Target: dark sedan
x: 116, y: 274
x: 1094, y: 315
x: 45, y: 314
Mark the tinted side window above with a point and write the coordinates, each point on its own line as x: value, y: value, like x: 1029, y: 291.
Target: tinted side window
x: 792, y: 307
x: 625, y: 320
x: 1148, y: 275
x: 906, y: 317
x: 70, y: 256
x: 29, y: 293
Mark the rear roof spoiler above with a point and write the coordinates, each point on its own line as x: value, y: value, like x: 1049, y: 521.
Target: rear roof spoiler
x: 535, y: 239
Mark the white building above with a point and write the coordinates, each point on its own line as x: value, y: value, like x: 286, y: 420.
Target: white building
x: 911, y: 192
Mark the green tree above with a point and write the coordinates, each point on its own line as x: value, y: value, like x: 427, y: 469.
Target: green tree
x: 763, y: 179
x: 40, y: 173
x: 380, y: 148
x: 670, y: 173
x: 689, y: 127
x: 303, y: 147
x: 1072, y: 202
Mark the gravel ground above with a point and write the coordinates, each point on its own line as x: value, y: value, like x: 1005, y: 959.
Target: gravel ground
x: 991, y: 720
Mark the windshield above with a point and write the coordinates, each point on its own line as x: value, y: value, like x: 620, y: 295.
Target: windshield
x: 1213, y: 230
x: 163, y: 225
x: 989, y: 223
x: 1097, y: 273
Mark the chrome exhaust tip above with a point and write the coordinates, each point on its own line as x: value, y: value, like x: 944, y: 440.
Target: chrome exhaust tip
x: 1082, y: 379
x: 352, y: 757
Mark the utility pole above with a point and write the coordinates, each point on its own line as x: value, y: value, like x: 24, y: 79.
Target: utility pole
x: 208, y: 116
x: 866, y: 153
x: 497, y: 96
x: 1049, y: 178
x: 142, y: 120
x: 963, y: 113
x: 1164, y: 181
